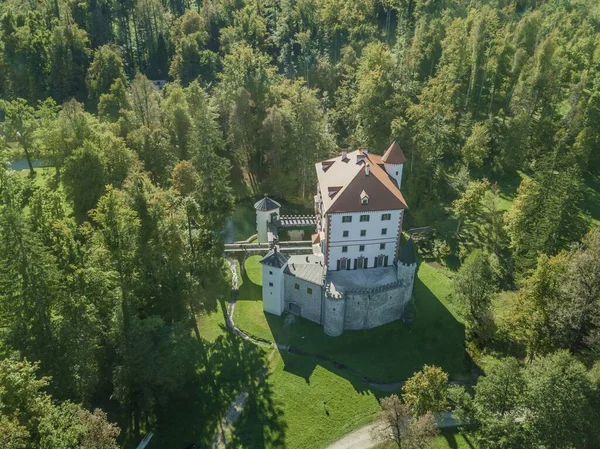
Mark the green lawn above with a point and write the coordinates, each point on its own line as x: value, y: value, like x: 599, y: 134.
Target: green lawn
x: 294, y: 412
x: 389, y: 353
x: 44, y: 176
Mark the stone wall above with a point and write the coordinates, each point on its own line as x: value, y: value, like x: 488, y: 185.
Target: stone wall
x: 353, y: 309
x: 310, y: 304
x: 334, y: 311
x: 368, y: 310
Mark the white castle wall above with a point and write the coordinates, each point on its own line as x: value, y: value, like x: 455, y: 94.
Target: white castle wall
x: 273, y: 295
x: 372, y: 240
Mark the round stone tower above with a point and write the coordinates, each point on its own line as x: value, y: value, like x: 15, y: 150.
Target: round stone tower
x: 406, y: 268
x: 266, y: 208
x: 334, y: 312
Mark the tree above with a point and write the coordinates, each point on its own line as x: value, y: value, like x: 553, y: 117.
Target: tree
x: 538, y: 316
x: 145, y: 102
x: 545, y: 216
x: 29, y: 417
x: 296, y: 129
x: 106, y: 67
x: 497, y: 407
x: 475, y: 287
x: 84, y: 178
x: 397, y: 424
x: 557, y: 401
x: 426, y: 391
x: 68, y: 62
x: 476, y: 148
x: 584, y: 277
x: 22, y: 121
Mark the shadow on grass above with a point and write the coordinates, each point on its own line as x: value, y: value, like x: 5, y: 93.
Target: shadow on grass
x: 387, y: 354
x: 230, y: 366
x: 262, y: 423
x: 450, y: 435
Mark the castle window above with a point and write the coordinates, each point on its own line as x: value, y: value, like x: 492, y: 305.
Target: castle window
x: 297, y: 286
x: 309, y: 291
x: 270, y: 284
x: 384, y: 231
x: 344, y: 249
x: 345, y: 234
x: 382, y: 246
x: 365, y: 200
x: 385, y: 217
x: 270, y: 272
x: 396, y: 173
x: 361, y: 248
x: 364, y: 218
x: 363, y: 232
x: 347, y: 219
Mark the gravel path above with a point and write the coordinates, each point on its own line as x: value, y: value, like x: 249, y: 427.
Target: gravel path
x: 359, y: 439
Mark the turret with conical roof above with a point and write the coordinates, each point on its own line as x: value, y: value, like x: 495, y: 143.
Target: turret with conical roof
x: 394, y: 162
x: 266, y: 208
x: 273, y: 278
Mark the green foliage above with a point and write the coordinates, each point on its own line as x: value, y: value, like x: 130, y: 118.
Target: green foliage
x: 546, y: 215
x: 30, y: 417
x: 474, y: 287
x: 123, y: 244
x: 106, y: 67
x: 426, y: 391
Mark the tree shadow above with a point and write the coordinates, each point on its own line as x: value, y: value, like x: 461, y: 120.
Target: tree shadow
x: 226, y: 367
x: 261, y: 424
x: 450, y: 435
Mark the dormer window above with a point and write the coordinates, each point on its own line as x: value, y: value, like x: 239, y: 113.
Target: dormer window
x: 364, y: 198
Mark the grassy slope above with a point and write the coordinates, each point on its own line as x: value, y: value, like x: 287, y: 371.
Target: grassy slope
x: 435, y: 337
x: 310, y: 412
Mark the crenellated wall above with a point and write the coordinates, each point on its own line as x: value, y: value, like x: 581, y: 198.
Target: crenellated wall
x: 351, y: 309
x: 334, y: 312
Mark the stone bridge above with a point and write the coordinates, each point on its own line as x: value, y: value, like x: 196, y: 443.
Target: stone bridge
x: 299, y: 247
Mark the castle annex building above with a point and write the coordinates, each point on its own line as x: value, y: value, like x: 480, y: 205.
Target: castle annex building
x: 358, y: 277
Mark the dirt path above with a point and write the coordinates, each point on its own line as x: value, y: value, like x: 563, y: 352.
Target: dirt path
x: 359, y: 439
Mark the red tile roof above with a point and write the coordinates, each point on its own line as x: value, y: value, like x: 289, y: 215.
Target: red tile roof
x: 350, y: 174
x: 394, y: 154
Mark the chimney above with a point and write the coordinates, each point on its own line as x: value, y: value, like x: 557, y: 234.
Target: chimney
x: 367, y: 170
x: 344, y: 154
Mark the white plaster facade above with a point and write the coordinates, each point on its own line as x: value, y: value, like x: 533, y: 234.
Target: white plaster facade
x: 273, y: 288
x: 347, y: 242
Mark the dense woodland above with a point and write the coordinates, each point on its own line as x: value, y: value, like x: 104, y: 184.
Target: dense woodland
x: 103, y: 271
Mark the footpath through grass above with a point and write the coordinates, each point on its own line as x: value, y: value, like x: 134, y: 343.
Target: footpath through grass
x: 388, y: 353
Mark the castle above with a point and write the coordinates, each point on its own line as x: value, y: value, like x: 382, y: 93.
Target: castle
x: 357, y: 276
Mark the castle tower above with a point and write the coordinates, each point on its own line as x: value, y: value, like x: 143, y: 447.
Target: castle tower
x: 265, y: 208
x: 407, y: 268
x: 394, y: 162
x: 273, y: 266
x: 334, y: 312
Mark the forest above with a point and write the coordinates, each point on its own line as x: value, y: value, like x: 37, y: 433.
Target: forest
x: 111, y: 249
